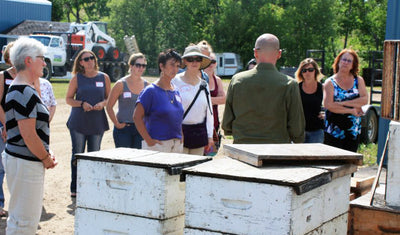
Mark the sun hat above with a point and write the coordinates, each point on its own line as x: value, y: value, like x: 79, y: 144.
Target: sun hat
x: 194, y: 50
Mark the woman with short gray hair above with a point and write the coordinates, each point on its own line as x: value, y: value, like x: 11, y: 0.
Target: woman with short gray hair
x: 27, y: 152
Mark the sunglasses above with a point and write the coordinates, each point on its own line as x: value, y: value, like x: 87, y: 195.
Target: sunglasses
x: 346, y: 60
x: 309, y: 70
x: 191, y: 59
x: 137, y: 65
x: 86, y: 59
x: 213, y: 61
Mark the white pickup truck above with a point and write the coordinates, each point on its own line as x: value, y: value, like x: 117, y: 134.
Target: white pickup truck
x: 60, y: 57
x: 55, y: 56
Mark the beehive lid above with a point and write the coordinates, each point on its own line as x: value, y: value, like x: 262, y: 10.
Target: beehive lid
x: 302, y: 178
x: 172, y: 162
x: 259, y: 154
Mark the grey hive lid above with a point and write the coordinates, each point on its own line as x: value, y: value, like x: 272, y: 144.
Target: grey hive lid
x: 172, y: 162
x: 302, y: 178
x: 257, y: 154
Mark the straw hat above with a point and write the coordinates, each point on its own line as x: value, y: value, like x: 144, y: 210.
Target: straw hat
x: 194, y: 50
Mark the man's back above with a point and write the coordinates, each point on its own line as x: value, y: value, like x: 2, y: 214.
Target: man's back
x: 263, y: 106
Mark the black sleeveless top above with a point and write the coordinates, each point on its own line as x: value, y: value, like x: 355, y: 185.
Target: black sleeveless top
x: 312, y: 107
x: 7, y: 82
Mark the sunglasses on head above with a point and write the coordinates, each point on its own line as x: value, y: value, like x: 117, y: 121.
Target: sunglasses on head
x: 309, y: 70
x: 86, y: 59
x: 137, y: 65
x: 191, y: 59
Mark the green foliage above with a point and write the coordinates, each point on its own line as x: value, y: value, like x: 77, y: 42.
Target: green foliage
x: 234, y: 25
x: 369, y: 152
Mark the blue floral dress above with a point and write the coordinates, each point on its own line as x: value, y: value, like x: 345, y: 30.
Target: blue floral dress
x: 343, y: 126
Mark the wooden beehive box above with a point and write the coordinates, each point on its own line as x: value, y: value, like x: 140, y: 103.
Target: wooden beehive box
x: 391, y: 80
x: 130, y: 182
x: 228, y: 196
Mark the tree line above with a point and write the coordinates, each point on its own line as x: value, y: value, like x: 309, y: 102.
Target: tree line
x: 234, y: 25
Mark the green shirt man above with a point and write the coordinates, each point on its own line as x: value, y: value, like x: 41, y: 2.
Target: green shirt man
x: 263, y: 105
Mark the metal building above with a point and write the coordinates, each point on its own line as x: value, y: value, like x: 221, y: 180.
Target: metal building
x: 14, y: 12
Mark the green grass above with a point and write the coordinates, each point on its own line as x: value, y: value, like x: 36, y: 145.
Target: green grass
x: 60, y: 87
x: 369, y: 152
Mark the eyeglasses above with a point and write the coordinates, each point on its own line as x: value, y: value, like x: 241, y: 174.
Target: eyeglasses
x: 213, y: 61
x: 137, y: 65
x: 309, y: 70
x: 191, y: 59
x: 346, y: 60
x: 86, y: 59
x: 41, y: 57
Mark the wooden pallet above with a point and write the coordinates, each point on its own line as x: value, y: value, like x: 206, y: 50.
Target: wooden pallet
x: 259, y: 154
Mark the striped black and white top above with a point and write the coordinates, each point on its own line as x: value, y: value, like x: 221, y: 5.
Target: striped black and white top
x: 22, y: 102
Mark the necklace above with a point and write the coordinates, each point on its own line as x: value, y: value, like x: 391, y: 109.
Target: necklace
x: 169, y: 97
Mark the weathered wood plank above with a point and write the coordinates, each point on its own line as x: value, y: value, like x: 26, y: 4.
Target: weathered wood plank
x: 173, y: 162
x: 255, y: 153
x: 391, y: 80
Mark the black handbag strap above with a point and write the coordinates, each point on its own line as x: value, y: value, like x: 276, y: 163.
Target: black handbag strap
x: 203, y: 86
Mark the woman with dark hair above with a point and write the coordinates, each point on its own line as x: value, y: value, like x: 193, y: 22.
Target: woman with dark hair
x: 344, y: 95
x: 308, y: 76
x: 87, y: 94
x: 126, y: 91
x: 158, y: 113
x: 251, y: 64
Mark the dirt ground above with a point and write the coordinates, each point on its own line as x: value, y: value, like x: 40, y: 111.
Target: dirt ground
x: 58, y: 206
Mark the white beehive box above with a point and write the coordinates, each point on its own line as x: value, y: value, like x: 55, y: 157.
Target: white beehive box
x: 131, y: 182
x: 114, y: 223
x: 393, y: 172
x: 228, y: 196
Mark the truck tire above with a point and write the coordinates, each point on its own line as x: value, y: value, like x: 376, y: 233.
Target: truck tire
x: 99, y: 52
x: 47, y: 71
x: 115, y: 72
x: 113, y: 54
x: 369, y: 134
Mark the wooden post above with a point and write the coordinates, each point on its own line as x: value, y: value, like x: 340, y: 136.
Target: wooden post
x: 391, y: 80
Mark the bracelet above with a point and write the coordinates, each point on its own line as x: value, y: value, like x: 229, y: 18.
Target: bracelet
x: 47, y: 156
x: 82, y: 103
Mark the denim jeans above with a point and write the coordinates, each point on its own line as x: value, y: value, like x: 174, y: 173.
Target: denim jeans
x: 314, y: 136
x: 127, y: 137
x: 79, y: 141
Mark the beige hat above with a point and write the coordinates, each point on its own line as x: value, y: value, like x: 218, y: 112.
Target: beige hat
x: 195, y: 51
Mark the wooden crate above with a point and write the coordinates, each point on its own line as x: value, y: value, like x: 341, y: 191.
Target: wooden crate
x: 228, y: 196
x: 372, y: 220
x: 118, y: 224
x: 391, y: 80
x: 259, y: 154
